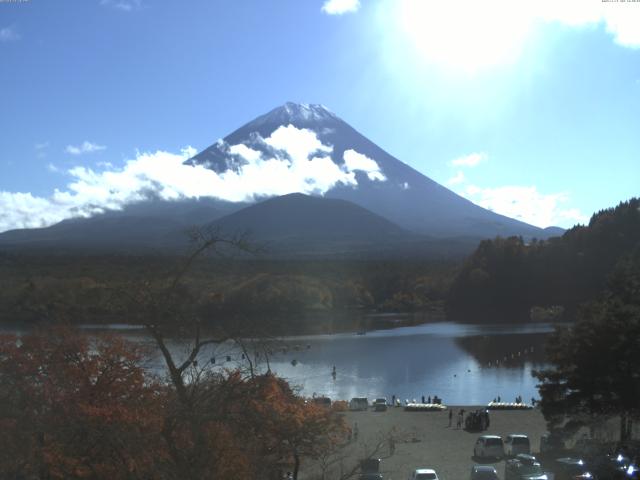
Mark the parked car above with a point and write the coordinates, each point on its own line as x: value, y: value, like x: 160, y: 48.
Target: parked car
x: 524, y: 467
x: 570, y: 468
x: 358, y: 404
x: 585, y: 447
x: 322, y: 401
x: 484, y: 472
x: 615, y: 467
x: 380, y: 405
x: 423, y: 474
x: 515, y: 444
x: 370, y: 465
x: 551, y: 443
x: 489, y: 446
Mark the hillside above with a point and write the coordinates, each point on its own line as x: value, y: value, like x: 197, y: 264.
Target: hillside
x: 506, y: 277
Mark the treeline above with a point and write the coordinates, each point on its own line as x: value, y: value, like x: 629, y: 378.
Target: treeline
x: 506, y: 278
x: 293, y: 292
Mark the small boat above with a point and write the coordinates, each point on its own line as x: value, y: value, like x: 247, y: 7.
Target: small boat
x: 508, y: 406
x: 424, y: 407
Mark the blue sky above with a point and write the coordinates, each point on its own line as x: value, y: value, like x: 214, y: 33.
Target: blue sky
x: 528, y: 108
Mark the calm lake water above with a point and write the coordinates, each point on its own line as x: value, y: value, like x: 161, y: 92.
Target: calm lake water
x: 462, y: 364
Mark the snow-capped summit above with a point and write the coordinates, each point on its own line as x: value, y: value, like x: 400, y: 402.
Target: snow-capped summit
x: 296, y: 113
x: 301, y: 115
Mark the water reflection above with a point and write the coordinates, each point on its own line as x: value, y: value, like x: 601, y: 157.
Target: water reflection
x: 457, y: 362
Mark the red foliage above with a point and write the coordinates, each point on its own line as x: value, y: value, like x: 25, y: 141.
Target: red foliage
x: 75, y: 408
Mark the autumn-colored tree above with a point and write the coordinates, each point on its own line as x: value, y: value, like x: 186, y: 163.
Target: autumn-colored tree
x: 72, y: 409
x: 289, y: 427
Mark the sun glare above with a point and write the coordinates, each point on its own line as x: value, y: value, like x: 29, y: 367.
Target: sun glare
x: 466, y: 35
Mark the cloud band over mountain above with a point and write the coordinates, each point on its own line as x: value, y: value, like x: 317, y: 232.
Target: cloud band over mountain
x: 289, y: 160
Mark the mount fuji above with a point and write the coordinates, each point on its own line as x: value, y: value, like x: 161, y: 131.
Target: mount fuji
x: 363, y: 198
x: 385, y: 185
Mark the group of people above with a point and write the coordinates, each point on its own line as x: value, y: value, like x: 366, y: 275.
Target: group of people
x: 437, y: 400
x: 518, y: 400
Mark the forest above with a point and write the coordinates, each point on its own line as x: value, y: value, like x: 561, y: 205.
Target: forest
x: 511, y: 279
x: 504, y: 280
x: 295, y: 296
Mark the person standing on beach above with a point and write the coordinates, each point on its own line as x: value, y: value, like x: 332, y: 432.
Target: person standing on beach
x: 450, y: 416
x: 355, y: 431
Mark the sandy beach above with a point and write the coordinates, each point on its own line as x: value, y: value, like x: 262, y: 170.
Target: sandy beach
x: 424, y: 439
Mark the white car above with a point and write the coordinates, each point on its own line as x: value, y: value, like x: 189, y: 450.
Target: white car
x: 379, y: 405
x: 423, y: 474
x: 516, y: 443
x: 489, y: 446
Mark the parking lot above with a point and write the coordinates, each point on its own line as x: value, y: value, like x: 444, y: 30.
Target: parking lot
x: 424, y: 439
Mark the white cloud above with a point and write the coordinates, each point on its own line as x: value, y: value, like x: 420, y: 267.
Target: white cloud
x: 52, y: 168
x: 85, y: 147
x: 9, y: 34
x: 122, y: 5
x: 470, y: 35
x: 620, y: 19
x: 523, y: 203
x: 339, y: 7
x: 41, y: 149
x: 527, y: 204
x: 470, y: 160
x: 457, y: 179
x: 357, y: 161
x: 293, y: 160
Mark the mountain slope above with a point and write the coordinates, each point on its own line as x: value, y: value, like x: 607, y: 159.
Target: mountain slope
x: 305, y: 217
x: 407, y: 197
x: 145, y: 226
x: 298, y: 225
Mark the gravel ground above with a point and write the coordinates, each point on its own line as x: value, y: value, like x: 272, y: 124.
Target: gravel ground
x: 424, y: 439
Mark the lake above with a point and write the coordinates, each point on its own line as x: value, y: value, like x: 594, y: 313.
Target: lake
x: 461, y: 363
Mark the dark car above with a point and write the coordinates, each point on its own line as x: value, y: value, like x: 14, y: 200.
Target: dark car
x: 524, y: 467
x: 615, y: 467
x: 370, y: 466
x: 570, y: 468
x: 484, y: 472
x: 322, y: 401
x: 551, y: 443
